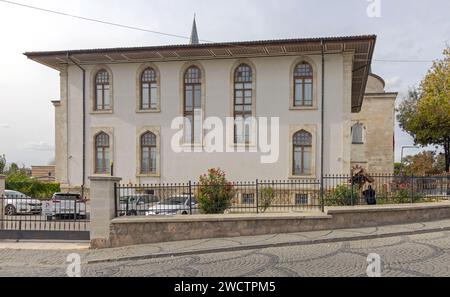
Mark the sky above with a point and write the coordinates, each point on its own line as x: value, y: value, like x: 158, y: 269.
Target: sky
x: 413, y: 30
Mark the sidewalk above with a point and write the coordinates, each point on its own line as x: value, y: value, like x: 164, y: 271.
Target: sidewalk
x: 205, y: 246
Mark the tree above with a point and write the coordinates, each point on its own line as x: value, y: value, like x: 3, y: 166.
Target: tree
x: 13, y: 168
x: 420, y: 164
x: 2, y: 164
x: 214, y: 192
x: 425, y: 113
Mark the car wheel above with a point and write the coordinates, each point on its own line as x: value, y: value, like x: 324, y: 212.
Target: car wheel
x: 132, y: 213
x: 184, y: 213
x: 10, y: 210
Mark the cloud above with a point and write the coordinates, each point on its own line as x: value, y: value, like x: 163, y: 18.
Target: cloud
x: 41, y: 146
x: 393, y: 83
x: 5, y: 126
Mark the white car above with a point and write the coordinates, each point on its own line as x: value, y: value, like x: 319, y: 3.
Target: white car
x: 17, y: 203
x: 181, y: 204
x: 65, y: 205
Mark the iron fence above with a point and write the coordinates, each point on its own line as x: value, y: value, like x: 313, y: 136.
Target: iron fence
x: 237, y: 197
x: 276, y: 196
x: 23, y: 217
x: 343, y: 190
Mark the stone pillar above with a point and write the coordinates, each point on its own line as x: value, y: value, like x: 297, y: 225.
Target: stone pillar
x: 2, y: 203
x: 102, y: 209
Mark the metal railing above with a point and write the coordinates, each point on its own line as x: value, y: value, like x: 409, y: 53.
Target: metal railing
x: 237, y: 197
x: 21, y: 213
x: 276, y: 196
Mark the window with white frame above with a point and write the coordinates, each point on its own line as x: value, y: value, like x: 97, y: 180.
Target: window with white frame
x: 301, y: 199
x: 102, y: 91
x: 302, y: 153
x: 102, y: 153
x: 148, y: 153
x: 192, y: 105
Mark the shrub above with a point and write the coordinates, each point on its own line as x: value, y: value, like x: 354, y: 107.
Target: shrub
x: 20, y: 182
x: 342, y: 195
x: 404, y: 196
x: 215, y: 192
x: 266, y: 197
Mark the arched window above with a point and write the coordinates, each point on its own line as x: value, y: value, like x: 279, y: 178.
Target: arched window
x: 192, y: 107
x: 102, y: 153
x: 243, y: 100
x: 303, y: 85
x: 357, y: 133
x: 148, y: 153
x: 302, y: 152
x: 149, y: 90
x: 102, y: 99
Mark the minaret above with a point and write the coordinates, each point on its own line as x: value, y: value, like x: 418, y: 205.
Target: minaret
x: 194, y: 34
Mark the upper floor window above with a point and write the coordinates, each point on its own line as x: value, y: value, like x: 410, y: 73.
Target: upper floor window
x: 102, y: 89
x: 303, y: 85
x: 243, y: 101
x: 302, y: 153
x: 357, y: 133
x: 149, y: 90
x: 102, y: 157
x: 192, y: 105
x: 148, y: 153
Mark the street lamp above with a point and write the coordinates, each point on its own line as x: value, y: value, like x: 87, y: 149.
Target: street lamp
x: 401, y: 157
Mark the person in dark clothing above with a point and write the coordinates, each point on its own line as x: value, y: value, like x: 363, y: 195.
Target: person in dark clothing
x: 370, y: 196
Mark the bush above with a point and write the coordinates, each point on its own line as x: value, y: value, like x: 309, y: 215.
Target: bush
x: 30, y: 187
x: 266, y: 197
x: 215, y: 192
x: 404, y: 196
x: 342, y: 195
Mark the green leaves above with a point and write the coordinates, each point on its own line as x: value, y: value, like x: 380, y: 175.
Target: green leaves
x: 425, y: 113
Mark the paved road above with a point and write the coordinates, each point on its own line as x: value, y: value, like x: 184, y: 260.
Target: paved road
x: 413, y: 255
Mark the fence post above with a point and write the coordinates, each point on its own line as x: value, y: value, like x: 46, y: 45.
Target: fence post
x: 103, y: 207
x: 412, y: 189
x: 190, y: 197
x: 2, y: 206
x: 257, y: 196
x: 322, y: 201
x: 351, y: 194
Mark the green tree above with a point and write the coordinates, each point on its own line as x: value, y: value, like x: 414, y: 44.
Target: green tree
x: 214, y: 192
x: 2, y: 164
x: 13, y: 168
x: 420, y: 164
x: 425, y: 113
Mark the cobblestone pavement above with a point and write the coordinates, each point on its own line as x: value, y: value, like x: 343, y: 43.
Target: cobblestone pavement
x: 411, y: 255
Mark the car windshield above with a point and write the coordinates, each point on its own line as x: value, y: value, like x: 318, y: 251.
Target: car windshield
x: 128, y: 199
x: 67, y: 197
x: 174, y: 201
x: 14, y: 194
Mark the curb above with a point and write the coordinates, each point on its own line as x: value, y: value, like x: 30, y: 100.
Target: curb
x: 268, y: 245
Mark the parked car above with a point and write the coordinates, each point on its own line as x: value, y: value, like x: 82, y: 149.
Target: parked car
x: 138, y: 204
x: 16, y: 203
x: 65, y: 205
x: 180, y: 204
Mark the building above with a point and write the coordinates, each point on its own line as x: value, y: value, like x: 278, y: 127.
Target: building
x: 43, y: 173
x: 117, y: 107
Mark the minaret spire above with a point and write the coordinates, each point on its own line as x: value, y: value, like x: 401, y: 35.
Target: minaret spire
x: 194, y: 34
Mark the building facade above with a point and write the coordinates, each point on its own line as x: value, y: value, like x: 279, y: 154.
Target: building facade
x: 118, y: 106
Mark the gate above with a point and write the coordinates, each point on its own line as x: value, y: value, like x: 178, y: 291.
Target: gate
x: 65, y: 217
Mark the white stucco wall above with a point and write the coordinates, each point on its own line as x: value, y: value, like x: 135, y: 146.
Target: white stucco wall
x: 272, y: 99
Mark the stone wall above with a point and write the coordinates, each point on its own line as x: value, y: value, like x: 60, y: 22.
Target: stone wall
x: 143, y: 230
x: 377, y: 115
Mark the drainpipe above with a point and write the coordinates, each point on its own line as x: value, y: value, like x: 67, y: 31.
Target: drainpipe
x: 84, y: 123
x: 322, y: 128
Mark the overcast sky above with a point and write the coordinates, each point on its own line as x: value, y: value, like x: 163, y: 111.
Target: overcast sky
x: 406, y: 29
